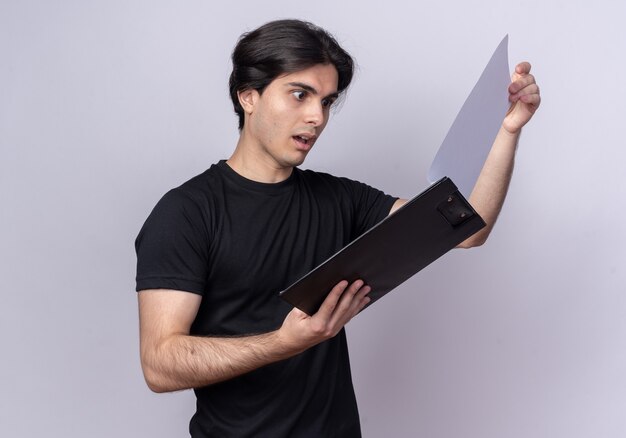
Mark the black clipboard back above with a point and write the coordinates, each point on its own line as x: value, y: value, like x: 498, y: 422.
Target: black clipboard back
x: 395, y: 249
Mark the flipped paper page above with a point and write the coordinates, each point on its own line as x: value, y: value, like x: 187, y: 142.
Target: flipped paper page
x: 465, y: 148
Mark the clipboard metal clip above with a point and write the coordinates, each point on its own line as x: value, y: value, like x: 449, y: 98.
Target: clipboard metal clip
x: 455, y: 209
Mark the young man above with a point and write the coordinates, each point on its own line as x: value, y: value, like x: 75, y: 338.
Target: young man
x: 215, y: 252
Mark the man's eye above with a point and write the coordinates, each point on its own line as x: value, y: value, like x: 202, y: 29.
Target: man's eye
x: 326, y: 103
x: 300, y: 95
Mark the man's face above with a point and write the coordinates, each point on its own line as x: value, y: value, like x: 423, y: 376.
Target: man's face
x: 283, y: 123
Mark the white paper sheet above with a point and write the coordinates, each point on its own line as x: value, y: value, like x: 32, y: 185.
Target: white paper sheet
x: 465, y: 148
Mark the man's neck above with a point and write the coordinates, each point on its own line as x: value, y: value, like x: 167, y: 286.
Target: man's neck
x: 250, y: 163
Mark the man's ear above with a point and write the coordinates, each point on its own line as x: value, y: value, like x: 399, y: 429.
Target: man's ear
x: 248, y: 99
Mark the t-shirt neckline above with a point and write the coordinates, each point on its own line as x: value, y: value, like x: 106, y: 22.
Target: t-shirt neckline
x: 242, y: 181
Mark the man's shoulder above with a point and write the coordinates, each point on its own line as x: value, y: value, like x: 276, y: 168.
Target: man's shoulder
x: 202, y: 181
x: 200, y: 186
x: 194, y: 194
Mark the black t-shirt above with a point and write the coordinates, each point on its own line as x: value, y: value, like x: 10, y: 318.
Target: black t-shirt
x: 238, y: 243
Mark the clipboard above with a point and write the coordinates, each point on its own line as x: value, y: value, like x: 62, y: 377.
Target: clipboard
x: 395, y: 249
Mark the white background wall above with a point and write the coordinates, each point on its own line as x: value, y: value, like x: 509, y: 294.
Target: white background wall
x: 106, y: 105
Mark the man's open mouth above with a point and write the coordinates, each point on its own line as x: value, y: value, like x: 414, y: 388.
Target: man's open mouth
x: 301, y: 139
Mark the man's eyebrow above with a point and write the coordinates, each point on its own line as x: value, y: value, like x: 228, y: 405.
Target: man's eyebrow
x: 312, y: 90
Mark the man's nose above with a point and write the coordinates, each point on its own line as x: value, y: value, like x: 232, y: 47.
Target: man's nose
x: 315, y: 114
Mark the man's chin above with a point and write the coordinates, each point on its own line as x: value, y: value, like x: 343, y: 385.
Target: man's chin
x: 295, y: 161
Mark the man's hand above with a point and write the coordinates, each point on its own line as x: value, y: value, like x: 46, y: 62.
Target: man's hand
x: 524, y: 97
x: 342, y: 304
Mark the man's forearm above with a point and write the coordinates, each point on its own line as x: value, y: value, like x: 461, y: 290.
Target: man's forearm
x: 183, y: 361
x: 490, y: 189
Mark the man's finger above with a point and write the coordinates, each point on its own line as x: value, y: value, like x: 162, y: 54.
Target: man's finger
x: 530, y: 89
x: 520, y: 83
x: 352, y: 302
x: 355, y: 293
x: 522, y: 68
x: 526, y: 91
x: 330, y: 303
x: 361, y: 299
x: 532, y: 99
x: 348, y: 295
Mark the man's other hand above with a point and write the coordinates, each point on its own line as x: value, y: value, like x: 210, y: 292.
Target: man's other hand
x: 343, y: 303
x: 524, y: 97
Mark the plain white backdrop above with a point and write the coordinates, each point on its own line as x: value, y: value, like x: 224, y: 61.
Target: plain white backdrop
x: 106, y: 105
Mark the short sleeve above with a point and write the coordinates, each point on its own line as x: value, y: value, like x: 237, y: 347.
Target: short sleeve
x: 172, y: 246
x: 370, y: 205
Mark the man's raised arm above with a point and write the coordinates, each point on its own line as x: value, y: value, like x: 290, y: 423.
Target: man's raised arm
x: 490, y: 189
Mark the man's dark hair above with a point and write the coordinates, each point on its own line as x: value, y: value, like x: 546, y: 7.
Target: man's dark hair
x: 282, y: 47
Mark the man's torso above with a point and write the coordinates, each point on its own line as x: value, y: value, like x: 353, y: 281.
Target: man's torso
x: 244, y: 242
